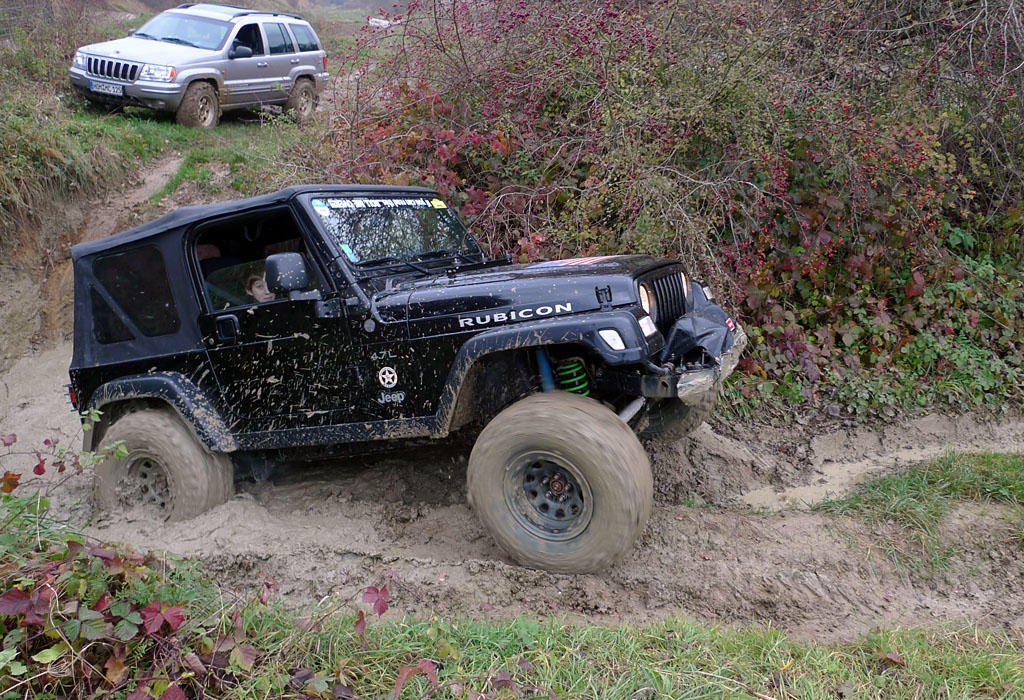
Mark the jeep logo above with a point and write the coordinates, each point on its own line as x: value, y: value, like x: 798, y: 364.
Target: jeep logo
x: 506, y: 316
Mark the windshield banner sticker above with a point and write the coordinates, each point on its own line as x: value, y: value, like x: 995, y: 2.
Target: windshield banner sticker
x: 324, y: 208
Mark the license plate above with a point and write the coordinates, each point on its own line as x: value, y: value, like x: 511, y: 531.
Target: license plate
x: 106, y: 88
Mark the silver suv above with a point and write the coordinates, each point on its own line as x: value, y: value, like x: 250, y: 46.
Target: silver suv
x: 198, y: 60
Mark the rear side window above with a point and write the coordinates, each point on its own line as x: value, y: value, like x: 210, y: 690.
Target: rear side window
x: 277, y: 39
x: 107, y: 327
x: 137, y: 282
x: 304, y: 37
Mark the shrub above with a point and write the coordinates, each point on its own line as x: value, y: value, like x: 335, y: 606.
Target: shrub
x: 849, y: 167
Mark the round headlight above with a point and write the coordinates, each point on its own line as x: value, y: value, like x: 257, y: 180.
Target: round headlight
x: 647, y: 300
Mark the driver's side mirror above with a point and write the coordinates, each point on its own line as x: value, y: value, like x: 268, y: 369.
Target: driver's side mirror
x: 287, y: 276
x: 239, y: 51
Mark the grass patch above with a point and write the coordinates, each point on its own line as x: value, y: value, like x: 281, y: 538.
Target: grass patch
x: 80, y: 618
x: 917, y: 499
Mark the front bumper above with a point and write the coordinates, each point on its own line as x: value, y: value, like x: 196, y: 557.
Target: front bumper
x: 689, y: 386
x: 141, y: 93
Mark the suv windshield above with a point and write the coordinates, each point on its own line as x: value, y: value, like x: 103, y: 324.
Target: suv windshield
x: 185, y: 29
x: 372, y: 231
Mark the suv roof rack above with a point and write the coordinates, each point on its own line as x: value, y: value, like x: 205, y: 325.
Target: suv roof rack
x: 239, y: 11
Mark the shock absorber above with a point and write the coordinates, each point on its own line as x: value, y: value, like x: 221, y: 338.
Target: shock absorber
x: 571, y: 375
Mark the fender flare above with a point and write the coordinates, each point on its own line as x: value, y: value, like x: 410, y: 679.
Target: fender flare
x: 580, y: 330
x: 177, y: 391
x: 206, y: 75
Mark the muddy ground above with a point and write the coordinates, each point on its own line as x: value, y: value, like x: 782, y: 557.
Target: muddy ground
x: 731, y: 539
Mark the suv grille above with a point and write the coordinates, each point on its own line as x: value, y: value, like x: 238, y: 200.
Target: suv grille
x: 670, y: 300
x: 106, y: 68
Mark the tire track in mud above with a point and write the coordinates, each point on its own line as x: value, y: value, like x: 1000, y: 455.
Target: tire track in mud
x: 334, y: 529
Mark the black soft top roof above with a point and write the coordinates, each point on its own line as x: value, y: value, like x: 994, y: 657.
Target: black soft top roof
x: 180, y: 218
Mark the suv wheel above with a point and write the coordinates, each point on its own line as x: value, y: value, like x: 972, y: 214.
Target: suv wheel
x: 561, y: 483
x: 166, y: 470
x: 199, y: 107
x: 301, y: 101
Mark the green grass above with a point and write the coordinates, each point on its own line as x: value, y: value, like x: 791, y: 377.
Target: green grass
x: 917, y: 499
x: 671, y: 659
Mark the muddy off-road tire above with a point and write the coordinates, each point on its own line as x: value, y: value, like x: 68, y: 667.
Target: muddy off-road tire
x: 561, y: 483
x: 166, y: 470
x: 199, y: 107
x: 301, y: 101
x: 673, y: 420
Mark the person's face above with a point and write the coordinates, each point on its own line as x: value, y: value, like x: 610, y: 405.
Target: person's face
x: 258, y: 290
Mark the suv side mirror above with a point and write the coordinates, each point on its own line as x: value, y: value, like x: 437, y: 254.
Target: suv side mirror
x: 240, y: 51
x: 286, y: 272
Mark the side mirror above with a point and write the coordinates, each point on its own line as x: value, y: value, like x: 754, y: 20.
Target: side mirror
x: 240, y: 51
x: 286, y: 272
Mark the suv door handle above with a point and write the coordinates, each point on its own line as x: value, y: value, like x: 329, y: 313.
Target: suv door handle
x: 227, y: 327
x: 293, y: 61
x: 262, y: 64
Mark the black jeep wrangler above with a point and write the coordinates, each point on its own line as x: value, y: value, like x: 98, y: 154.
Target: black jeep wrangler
x: 227, y: 337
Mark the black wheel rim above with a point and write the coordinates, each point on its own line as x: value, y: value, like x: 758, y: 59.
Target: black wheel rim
x: 548, y: 496
x: 145, y: 483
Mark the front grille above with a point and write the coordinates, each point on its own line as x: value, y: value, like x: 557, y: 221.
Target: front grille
x: 669, y: 298
x: 107, y: 68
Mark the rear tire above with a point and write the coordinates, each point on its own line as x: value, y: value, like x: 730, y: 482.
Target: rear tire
x: 166, y: 471
x: 302, y: 101
x: 199, y: 107
x: 561, y: 483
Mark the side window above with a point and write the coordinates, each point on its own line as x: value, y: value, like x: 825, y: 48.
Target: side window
x: 277, y: 39
x: 304, y: 37
x: 232, y: 258
x: 249, y: 35
x: 137, y: 282
x: 107, y: 327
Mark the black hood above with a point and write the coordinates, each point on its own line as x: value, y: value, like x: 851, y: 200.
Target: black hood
x: 495, y: 296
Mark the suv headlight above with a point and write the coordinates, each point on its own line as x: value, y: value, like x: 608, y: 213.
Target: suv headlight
x: 79, y: 60
x: 151, y: 71
x: 647, y: 299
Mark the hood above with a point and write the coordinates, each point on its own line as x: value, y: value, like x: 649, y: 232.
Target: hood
x: 478, y: 299
x: 148, y: 51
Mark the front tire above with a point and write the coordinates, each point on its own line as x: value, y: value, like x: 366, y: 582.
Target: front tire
x: 301, y: 102
x: 199, y: 107
x: 166, y: 470
x: 561, y: 483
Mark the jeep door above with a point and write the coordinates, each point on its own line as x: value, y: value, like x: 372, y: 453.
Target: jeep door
x: 279, y: 362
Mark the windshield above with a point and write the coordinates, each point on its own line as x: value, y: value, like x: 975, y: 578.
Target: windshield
x: 190, y: 30
x: 380, y: 231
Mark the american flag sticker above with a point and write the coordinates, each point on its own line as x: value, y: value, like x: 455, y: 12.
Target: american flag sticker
x: 571, y: 262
